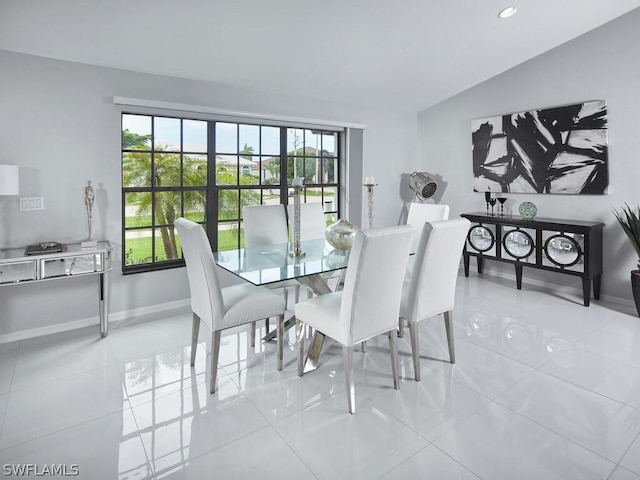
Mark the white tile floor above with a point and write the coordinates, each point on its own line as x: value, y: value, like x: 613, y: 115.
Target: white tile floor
x: 543, y: 388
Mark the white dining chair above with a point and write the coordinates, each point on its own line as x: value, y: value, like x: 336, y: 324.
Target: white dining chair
x: 369, y: 303
x: 312, y: 220
x: 418, y: 214
x: 222, y: 307
x: 264, y: 225
x: 430, y: 288
x: 267, y: 225
x: 424, y: 212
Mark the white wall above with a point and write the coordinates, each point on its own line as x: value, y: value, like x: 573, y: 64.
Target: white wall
x: 58, y: 126
x: 602, y: 64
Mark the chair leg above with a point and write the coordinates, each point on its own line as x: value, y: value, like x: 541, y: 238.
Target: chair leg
x: 401, y: 327
x: 195, y: 330
x: 363, y: 346
x: 215, y: 353
x: 393, y: 346
x: 252, y: 334
x: 448, y: 323
x: 266, y: 324
x: 415, y: 349
x: 280, y: 339
x: 300, y: 346
x: 348, y: 375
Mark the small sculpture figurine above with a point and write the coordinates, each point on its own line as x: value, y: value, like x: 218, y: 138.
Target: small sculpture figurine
x: 89, y: 198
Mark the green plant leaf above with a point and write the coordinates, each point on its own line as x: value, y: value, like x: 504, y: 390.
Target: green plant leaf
x: 630, y: 222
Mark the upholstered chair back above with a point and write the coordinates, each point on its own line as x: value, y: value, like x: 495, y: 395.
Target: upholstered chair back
x: 424, y: 212
x: 264, y: 225
x: 432, y: 282
x: 373, y: 283
x: 206, y: 296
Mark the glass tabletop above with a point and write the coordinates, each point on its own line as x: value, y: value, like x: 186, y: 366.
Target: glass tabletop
x: 272, y: 263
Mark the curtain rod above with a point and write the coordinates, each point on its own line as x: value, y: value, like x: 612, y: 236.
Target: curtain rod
x: 138, y: 102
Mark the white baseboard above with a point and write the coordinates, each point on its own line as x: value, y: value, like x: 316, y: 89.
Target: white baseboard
x: 552, y: 286
x: 93, y: 321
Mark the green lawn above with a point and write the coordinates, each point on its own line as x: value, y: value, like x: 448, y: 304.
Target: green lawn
x: 140, y: 248
x: 145, y: 220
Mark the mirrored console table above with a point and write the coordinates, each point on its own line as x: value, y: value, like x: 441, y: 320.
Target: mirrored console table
x: 16, y: 267
x: 566, y: 246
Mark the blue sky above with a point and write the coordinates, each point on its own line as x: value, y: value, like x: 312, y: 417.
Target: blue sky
x: 167, y: 132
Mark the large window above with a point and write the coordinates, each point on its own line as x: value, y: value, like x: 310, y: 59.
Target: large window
x: 206, y: 171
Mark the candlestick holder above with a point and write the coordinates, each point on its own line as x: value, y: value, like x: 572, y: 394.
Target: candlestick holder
x: 297, y: 248
x: 370, y: 212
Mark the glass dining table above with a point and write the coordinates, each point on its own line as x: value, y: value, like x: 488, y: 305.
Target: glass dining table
x: 273, y: 266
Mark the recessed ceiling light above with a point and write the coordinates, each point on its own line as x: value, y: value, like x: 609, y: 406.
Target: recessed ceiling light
x: 508, y: 12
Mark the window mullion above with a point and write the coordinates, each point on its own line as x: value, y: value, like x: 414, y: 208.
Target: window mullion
x: 211, y: 209
x: 284, y: 187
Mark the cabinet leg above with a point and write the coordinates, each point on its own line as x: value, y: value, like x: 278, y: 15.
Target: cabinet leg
x: 103, y: 303
x: 597, y: 280
x: 480, y: 264
x: 586, y: 290
x: 465, y: 258
x: 518, y: 276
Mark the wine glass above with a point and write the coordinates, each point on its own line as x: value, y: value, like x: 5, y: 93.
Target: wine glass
x: 487, y: 198
x: 492, y: 201
x: 502, y: 200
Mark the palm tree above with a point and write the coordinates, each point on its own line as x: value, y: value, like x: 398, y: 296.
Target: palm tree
x: 246, y: 152
x: 167, y: 204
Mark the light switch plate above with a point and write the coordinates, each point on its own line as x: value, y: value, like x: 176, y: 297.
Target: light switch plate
x: 28, y: 204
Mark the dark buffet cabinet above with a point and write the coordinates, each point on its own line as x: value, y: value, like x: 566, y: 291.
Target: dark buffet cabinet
x: 570, y: 247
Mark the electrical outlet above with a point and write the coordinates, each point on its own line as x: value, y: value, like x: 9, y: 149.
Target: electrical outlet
x: 28, y: 204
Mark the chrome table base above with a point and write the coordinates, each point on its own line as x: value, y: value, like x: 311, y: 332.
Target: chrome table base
x: 319, y: 286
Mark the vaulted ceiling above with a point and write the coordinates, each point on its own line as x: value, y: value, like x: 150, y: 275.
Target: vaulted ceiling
x: 401, y: 54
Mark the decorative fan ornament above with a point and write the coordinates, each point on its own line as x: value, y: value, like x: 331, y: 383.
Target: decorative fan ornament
x: 423, y: 185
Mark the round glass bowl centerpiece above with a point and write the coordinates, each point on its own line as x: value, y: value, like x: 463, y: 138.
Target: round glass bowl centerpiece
x: 527, y: 210
x: 340, y: 235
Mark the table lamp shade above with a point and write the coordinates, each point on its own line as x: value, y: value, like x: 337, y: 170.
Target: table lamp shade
x: 9, y: 180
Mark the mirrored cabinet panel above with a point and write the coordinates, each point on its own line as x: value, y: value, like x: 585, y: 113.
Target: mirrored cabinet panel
x: 563, y: 250
x: 482, y: 238
x: 17, y: 272
x: 519, y: 244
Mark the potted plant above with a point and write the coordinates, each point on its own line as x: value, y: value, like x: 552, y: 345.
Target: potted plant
x: 630, y: 222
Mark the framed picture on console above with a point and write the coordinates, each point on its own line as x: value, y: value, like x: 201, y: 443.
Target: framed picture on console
x: 559, y: 150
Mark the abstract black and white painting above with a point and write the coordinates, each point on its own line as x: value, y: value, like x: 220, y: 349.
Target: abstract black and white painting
x: 553, y: 150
